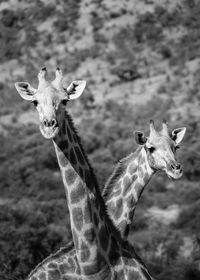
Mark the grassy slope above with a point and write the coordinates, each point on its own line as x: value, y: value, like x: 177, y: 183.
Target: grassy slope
x: 141, y: 60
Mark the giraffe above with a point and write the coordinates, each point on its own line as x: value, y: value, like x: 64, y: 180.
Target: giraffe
x: 129, y: 178
x: 99, y: 251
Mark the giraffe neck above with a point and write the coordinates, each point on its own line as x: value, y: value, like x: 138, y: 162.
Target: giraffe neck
x: 124, y: 188
x: 57, y: 266
x: 86, y: 208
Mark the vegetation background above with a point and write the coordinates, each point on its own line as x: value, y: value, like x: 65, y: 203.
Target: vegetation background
x: 141, y: 60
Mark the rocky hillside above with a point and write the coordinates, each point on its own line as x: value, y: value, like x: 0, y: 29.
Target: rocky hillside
x: 141, y: 61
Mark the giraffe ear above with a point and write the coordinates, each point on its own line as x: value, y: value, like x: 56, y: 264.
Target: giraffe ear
x: 178, y: 134
x: 25, y: 90
x: 75, y: 89
x: 140, y: 138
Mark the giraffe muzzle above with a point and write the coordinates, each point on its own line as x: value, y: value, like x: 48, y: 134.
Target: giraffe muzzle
x: 52, y: 123
x: 174, y: 170
x: 49, y: 128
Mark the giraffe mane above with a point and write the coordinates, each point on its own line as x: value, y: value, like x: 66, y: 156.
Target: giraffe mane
x: 114, y: 229
x: 72, y: 126
x: 117, y: 173
x: 60, y: 252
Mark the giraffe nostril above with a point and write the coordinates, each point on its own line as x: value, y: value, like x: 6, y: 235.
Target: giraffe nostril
x: 178, y: 166
x: 172, y: 166
x: 45, y: 122
x: 53, y: 123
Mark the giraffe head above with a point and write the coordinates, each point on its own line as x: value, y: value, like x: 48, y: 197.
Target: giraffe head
x: 161, y: 149
x: 50, y: 99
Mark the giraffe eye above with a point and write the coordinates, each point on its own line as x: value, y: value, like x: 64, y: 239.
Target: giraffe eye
x: 64, y: 102
x: 35, y: 103
x: 151, y: 149
x: 177, y: 147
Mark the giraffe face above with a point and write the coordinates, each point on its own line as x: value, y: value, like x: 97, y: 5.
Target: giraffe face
x: 161, y: 149
x: 50, y: 100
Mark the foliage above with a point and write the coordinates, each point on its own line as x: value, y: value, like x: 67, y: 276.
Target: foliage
x: 66, y: 18
x: 26, y: 238
x: 34, y: 219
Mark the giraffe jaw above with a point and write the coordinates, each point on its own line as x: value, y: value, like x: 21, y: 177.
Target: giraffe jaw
x: 174, y: 175
x: 49, y: 133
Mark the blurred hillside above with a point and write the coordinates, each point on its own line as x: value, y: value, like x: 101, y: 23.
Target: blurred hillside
x: 141, y: 61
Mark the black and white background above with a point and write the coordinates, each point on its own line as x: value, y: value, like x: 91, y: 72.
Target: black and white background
x: 141, y: 61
